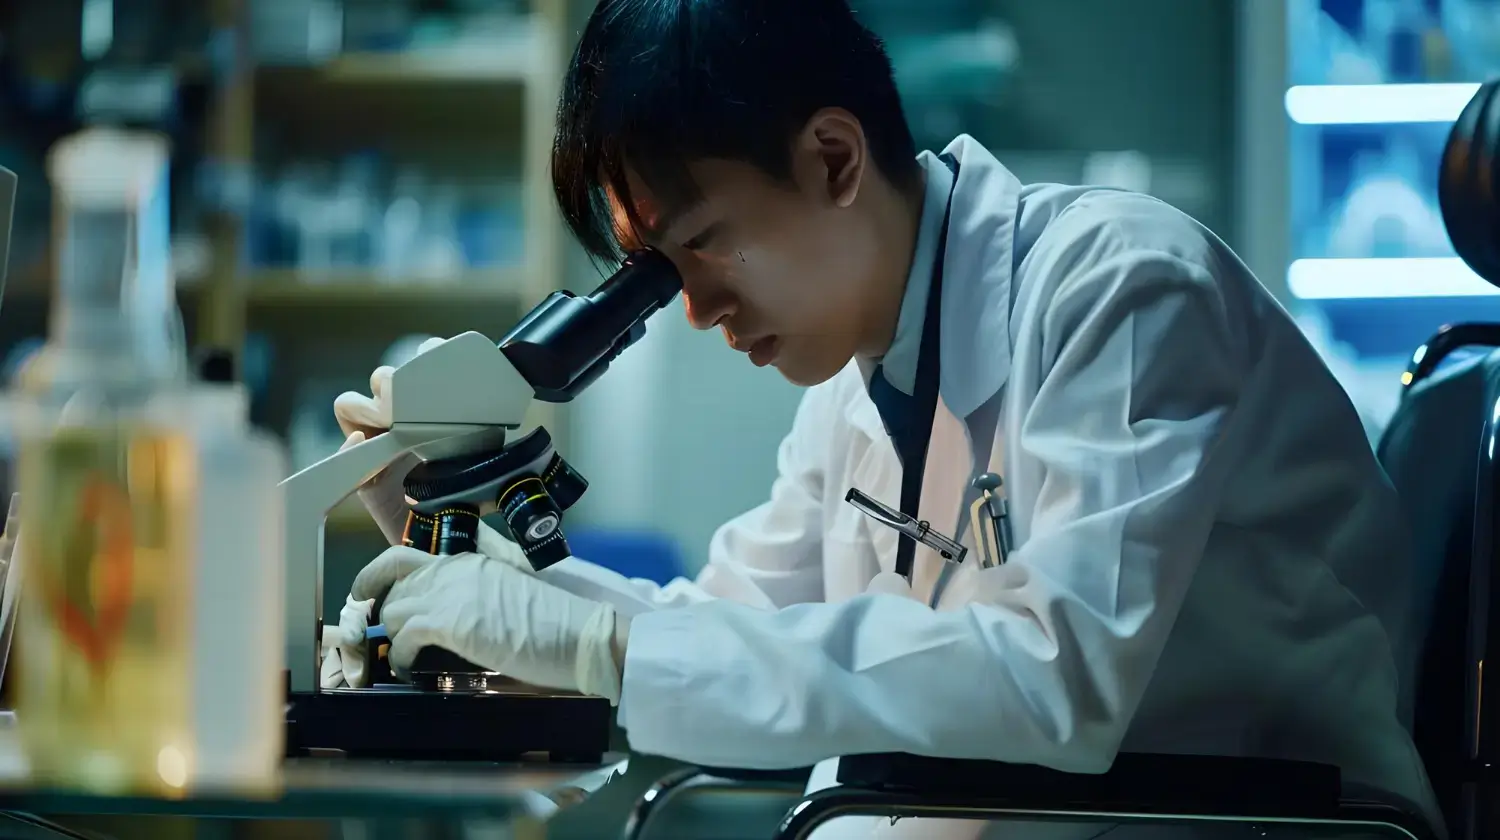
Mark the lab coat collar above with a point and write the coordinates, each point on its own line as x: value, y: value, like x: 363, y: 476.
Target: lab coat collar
x: 900, y: 362
x: 979, y: 265
x: 978, y: 273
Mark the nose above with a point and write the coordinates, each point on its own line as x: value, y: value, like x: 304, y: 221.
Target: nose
x: 707, y: 300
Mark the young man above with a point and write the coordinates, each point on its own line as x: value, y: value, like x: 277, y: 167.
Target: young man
x: 1205, y: 555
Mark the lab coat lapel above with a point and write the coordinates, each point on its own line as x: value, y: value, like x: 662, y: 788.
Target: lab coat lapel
x: 979, y: 266
x: 949, y: 463
x: 979, y: 263
x: 976, y: 343
x: 876, y: 471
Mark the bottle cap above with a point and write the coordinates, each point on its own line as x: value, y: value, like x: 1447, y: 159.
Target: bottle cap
x: 215, y: 364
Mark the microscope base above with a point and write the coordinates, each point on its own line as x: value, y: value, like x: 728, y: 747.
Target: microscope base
x: 418, y: 725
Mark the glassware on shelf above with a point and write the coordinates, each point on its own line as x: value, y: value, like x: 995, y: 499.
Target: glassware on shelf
x: 1373, y: 42
x: 347, y: 218
x: 1386, y: 212
x: 401, y: 226
x: 439, y: 258
x: 296, y: 32
x: 491, y: 225
x: 1472, y: 28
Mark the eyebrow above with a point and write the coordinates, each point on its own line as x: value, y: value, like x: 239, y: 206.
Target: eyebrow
x: 669, y: 219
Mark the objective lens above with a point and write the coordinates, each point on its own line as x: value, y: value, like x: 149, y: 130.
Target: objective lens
x: 564, y: 484
x: 453, y: 530
x: 535, y: 522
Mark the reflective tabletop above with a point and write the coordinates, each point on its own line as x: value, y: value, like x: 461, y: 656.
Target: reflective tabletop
x: 459, y: 798
x: 331, y: 788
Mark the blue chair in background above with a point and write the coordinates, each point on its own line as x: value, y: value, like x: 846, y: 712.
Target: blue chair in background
x: 634, y: 554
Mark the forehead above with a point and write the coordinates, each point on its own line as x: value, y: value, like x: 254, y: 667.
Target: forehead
x: 709, y: 184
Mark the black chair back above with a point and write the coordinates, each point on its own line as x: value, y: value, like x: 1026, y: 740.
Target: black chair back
x: 1436, y: 454
x: 1440, y: 452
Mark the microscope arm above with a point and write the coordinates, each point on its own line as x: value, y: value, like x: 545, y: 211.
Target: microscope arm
x: 461, y: 396
x: 309, y: 495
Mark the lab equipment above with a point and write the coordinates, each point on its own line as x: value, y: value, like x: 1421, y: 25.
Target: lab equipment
x: 296, y: 32
x: 989, y: 521
x: 106, y: 466
x: 530, y: 485
x: 1472, y: 28
x: 134, y: 475
x: 453, y: 407
x: 370, y: 211
x: 238, y: 698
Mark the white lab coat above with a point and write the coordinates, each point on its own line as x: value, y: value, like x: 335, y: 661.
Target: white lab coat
x: 1209, y: 558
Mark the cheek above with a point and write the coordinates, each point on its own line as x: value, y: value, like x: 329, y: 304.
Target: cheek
x: 776, y: 290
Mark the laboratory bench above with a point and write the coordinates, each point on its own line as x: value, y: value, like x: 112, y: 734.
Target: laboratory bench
x: 325, y: 797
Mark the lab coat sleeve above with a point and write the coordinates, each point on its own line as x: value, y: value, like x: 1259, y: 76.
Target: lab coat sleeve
x: 767, y: 557
x: 1049, y: 661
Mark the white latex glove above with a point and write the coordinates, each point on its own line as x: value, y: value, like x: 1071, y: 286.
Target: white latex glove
x: 344, y: 646
x: 362, y: 417
x: 496, y: 616
x: 348, y: 642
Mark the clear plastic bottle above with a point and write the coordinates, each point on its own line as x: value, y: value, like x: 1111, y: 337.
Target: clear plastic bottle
x: 239, y: 694
x: 109, y: 469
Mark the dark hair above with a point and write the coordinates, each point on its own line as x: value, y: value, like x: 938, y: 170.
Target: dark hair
x: 657, y: 84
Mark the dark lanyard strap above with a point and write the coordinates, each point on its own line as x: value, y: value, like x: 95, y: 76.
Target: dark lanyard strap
x: 928, y: 367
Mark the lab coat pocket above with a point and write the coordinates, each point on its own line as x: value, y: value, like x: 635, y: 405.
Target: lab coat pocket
x: 849, y: 565
x: 876, y: 474
x: 856, y: 548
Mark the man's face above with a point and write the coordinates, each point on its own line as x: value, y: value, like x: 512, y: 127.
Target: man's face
x: 781, y: 268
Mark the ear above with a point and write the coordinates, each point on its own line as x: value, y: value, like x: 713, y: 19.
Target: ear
x: 833, y: 144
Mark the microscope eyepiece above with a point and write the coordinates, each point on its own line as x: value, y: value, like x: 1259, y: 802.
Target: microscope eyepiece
x: 567, y: 341
x: 645, y: 282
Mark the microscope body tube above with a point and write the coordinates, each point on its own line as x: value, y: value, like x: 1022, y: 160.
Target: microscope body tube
x: 567, y: 342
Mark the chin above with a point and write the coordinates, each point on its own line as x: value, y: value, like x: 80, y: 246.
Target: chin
x: 806, y: 373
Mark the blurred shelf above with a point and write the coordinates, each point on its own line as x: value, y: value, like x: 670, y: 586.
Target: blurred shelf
x: 515, y: 65
x: 515, y: 56
x: 1377, y: 104
x: 289, y: 288
x: 278, y: 288
x: 1389, y: 278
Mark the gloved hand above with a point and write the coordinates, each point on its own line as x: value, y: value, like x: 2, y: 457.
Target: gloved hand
x: 496, y: 616
x: 360, y: 418
x: 344, y: 647
x: 347, y: 638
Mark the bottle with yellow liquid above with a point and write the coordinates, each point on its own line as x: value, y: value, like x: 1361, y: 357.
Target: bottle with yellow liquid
x: 107, y: 467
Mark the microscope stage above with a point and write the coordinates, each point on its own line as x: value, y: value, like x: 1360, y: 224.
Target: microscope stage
x: 404, y: 722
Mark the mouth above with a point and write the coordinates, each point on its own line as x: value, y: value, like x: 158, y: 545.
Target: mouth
x: 764, y: 351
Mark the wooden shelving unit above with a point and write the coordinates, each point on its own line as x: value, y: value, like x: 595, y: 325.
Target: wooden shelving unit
x: 497, y: 101
x: 453, y: 81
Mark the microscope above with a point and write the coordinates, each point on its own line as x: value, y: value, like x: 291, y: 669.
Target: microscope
x: 455, y: 408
